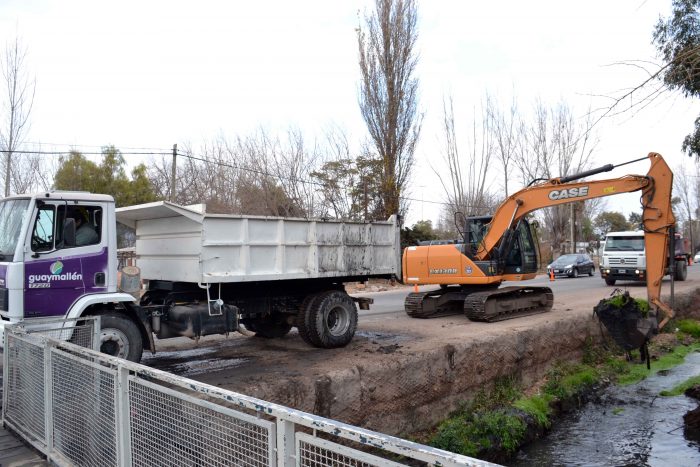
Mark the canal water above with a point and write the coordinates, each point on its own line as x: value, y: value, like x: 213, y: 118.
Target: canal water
x: 629, y: 426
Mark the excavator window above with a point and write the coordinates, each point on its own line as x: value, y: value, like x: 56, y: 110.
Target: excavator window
x: 522, y: 258
x: 474, y: 232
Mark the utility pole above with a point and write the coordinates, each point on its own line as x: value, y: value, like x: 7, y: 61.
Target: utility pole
x: 573, y: 229
x: 172, y: 174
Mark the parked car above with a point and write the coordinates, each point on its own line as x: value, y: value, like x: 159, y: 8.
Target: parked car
x: 696, y: 258
x: 572, y: 265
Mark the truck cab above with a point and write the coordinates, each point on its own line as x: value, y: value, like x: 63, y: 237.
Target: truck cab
x: 58, y: 258
x: 623, y: 257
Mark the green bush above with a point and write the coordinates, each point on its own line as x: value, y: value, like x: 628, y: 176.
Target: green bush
x: 538, y: 407
x: 469, y: 434
x: 690, y: 327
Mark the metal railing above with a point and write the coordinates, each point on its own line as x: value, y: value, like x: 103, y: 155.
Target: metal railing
x: 80, y: 407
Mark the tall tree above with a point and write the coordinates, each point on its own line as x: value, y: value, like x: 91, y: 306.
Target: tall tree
x: 467, y: 188
x: 683, y: 188
x: 17, y: 101
x: 677, y: 38
x: 506, y: 128
x: 610, y: 221
x: 635, y: 220
x: 389, y: 93
x: 555, y: 144
x: 76, y: 172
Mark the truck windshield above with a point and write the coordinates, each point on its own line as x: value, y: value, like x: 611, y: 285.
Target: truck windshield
x: 624, y: 243
x: 11, y: 214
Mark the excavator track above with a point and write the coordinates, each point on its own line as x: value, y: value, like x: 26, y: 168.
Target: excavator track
x: 423, y: 305
x: 445, y: 301
x: 507, y: 303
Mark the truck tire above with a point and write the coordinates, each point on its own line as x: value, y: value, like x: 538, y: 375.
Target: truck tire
x: 270, y: 328
x: 120, y: 337
x: 328, y: 320
x: 609, y: 281
x: 681, y: 271
x: 301, y: 322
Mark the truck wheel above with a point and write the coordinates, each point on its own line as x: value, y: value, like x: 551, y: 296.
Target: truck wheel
x: 301, y: 322
x: 329, y: 320
x: 120, y: 337
x: 270, y: 328
x: 681, y: 271
x: 609, y: 281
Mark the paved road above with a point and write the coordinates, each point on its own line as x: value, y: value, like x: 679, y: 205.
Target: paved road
x: 391, y: 302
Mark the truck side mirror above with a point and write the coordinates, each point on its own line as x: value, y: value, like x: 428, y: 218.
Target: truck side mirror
x: 69, y: 232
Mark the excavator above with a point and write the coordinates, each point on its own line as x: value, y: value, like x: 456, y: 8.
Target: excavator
x: 503, y: 248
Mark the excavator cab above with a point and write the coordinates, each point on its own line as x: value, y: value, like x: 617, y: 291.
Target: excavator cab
x: 520, y: 258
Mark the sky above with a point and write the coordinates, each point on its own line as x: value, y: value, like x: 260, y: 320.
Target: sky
x: 148, y: 74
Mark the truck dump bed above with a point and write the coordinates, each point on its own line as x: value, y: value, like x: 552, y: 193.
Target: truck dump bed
x: 177, y: 243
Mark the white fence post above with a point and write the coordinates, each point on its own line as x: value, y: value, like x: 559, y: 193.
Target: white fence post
x: 122, y: 418
x: 286, y: 448
x: 48, y: 397
x: 5, y: 371
x: 96, y: 329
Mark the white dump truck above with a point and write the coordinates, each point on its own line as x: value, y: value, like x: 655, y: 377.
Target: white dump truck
x: 204, y: 273
x: 624, y: 257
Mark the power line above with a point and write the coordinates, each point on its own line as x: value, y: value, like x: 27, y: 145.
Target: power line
x: 59, y: 153
x: 73, y: 146
x: 300, y: 180
x: 208, y: 161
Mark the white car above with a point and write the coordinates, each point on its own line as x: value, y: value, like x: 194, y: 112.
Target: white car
x: 696, y: 259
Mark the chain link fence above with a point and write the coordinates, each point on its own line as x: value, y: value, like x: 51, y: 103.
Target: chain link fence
x: 83, y: 408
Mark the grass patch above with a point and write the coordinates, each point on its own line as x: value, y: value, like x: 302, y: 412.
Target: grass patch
x: 538, y: 407
x: 681, y: 388
x: 473, y: 433
x: 635, y: 372
x: 690, y: 327
x: 618, y: 410
x: 566, y: 380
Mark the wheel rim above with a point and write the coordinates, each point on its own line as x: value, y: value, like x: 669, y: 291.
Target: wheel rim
x: 114, y: 342
x: 338, y: 321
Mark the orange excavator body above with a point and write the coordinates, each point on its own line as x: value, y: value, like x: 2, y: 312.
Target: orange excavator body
x: 502, y: 248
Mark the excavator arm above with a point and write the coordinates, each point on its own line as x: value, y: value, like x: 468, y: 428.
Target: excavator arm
x: 657, y: 216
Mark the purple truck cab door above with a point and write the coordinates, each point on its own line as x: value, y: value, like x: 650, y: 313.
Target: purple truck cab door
x: 53, y: 284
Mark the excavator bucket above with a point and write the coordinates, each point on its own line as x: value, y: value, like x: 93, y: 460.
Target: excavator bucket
x: 628, y: 321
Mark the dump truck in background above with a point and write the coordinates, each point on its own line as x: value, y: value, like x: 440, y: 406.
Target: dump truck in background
x: 204, y: 273
x: 624, y: 257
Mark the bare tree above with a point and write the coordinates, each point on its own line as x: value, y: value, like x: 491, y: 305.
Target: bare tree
x: 337, y: 176
x: 466, y: 184
x: 684, y: 188
x: 17, y: 103
x: 556, y: 144
x: 389, y: 93
x: 506, y: 128
x: 256, y: 174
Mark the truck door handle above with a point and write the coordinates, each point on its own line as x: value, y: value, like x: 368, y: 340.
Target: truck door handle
x: 100, y: 278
